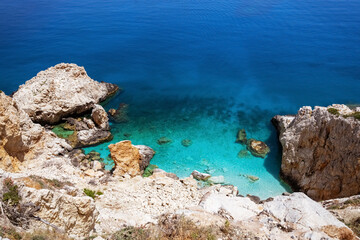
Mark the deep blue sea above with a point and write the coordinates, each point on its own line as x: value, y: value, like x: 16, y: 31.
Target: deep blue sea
x: 196, y: 70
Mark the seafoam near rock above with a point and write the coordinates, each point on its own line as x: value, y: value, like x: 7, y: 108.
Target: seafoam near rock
x: 321, y: 151
x: 60, y: 91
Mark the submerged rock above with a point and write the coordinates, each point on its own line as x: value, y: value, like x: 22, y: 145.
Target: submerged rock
x: 164, y: 140
x: 252, y: 178
x: 241, y: 136
x: 120, y: 115
x: 128, y: 160
x: 200, y: 176
x: 112, y: 112
x: 186, y: 142
x: 59, y: 92
x: 210, y: 170
x: 258, y: 148
x: 216, y: 180
x: 320, y: 151
x: 243, y: 154
x: 127, y: 135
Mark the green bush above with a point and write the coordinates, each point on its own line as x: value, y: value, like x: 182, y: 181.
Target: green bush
x: 333, y: 111
x: 11, y: 195
x: 355, y: 115
x: 149, y: 170
x: 91, y: 193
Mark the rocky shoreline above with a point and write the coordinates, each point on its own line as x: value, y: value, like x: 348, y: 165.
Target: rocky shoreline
x: 46, y: 182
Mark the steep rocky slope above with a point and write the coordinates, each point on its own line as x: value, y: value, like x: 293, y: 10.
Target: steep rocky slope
x: 321, y: 151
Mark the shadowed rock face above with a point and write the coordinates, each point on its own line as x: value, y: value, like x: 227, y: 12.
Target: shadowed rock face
x: 21, y: 139
x: 61, y: 91
x: 321, y: 151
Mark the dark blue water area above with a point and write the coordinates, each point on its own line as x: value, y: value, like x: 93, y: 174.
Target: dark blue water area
x: 196, y: 70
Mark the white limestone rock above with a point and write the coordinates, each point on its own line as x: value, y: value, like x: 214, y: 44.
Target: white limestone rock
x: 60, y: 91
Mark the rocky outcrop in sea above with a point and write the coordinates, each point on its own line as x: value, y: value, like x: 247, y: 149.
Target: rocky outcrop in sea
x: 321, y: 151
x: 59, y: 92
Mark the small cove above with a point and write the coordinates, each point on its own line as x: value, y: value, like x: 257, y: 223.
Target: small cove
x: 198, y: 70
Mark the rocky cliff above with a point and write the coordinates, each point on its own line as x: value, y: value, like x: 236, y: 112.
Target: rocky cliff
x: 61, y: 91
x: 23, y: 143
x: 321, y: 151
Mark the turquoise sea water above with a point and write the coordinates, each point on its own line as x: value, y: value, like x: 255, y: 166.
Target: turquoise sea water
x: 196, y: 70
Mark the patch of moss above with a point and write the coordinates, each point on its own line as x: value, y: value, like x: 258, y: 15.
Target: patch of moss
x: 91, y: 193
x: 11, y: 196
x: 62, y: 132
x: 355, y: 115
x: 333, y: 111
x: 149, y: 170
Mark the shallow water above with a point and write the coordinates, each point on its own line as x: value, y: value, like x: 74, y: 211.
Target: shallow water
x: 196, y: 70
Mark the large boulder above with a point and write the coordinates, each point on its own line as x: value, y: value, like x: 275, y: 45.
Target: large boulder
x: 100, y: 117
x: 75, y: 215
x: 258, y: 148
x: 320, y: 151
x: 61, y: 91
x: 130, y: 159
x: 21, y: 139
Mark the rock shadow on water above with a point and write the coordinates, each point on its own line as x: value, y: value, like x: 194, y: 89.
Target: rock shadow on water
x: 272, y: 162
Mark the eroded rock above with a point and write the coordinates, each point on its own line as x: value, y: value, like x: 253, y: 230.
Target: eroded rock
x: 127, y: 158
x: 321, y: 151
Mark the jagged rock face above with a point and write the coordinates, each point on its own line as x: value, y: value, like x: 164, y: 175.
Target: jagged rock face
x: 21, y: 139
x: 74, y: 215
x: 321, y: 151
x: 60, y: 91
x: 128, y: 158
